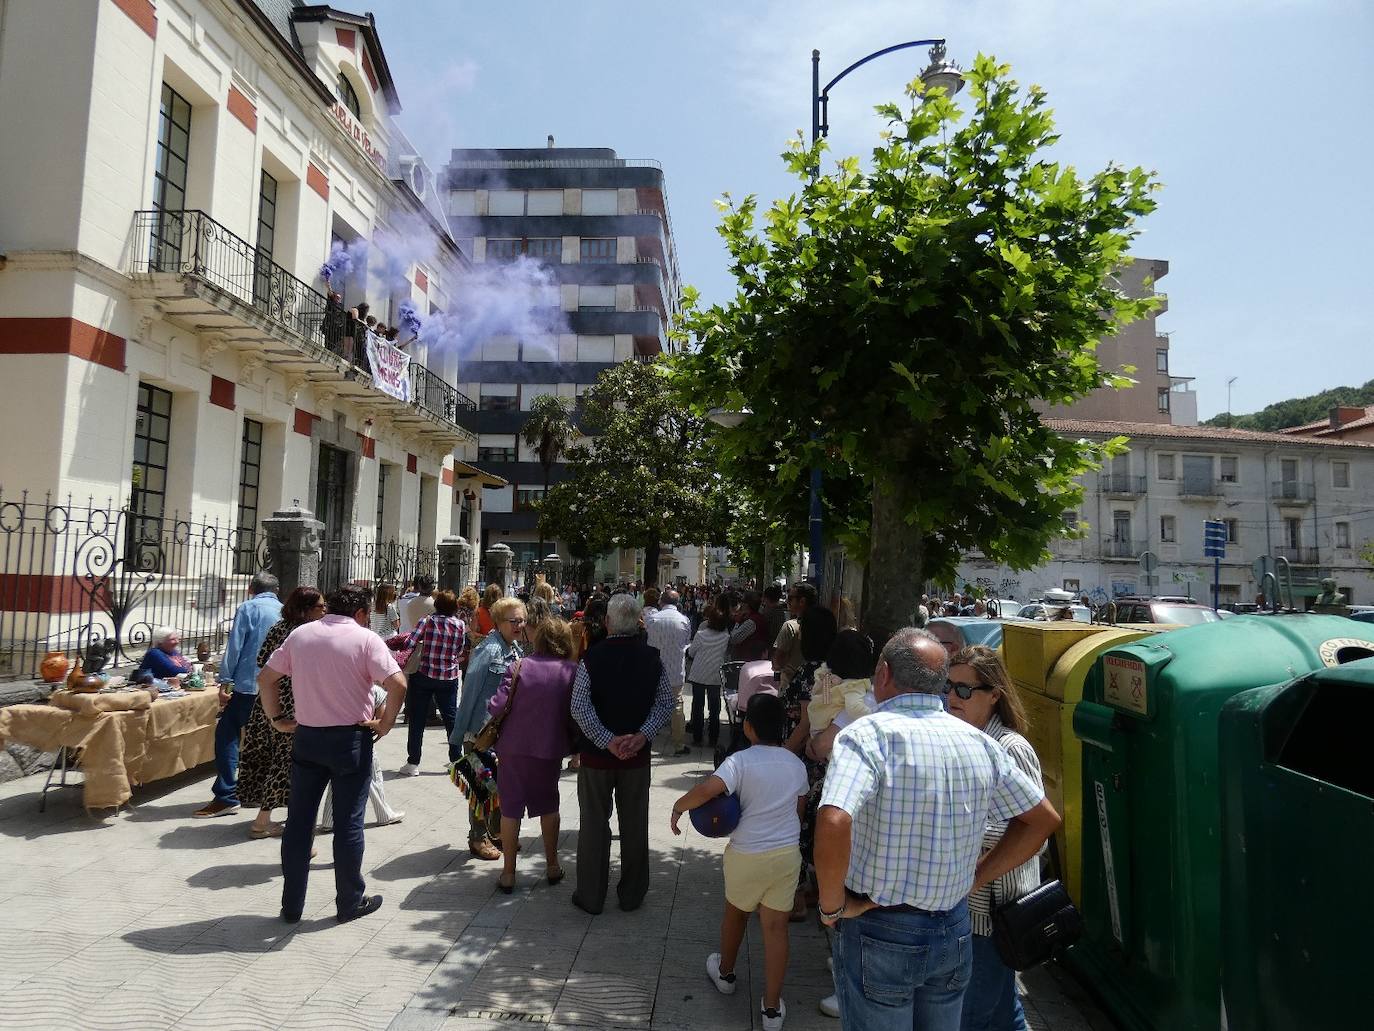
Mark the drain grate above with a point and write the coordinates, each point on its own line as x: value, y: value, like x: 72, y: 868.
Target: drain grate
x: 505, y: 1016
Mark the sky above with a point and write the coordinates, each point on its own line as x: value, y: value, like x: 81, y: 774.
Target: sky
x: 1256, y: 115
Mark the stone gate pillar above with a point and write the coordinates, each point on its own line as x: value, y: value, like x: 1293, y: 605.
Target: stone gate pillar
x: 293, y: 545
x: 452, y: 564
x: 499, y: 559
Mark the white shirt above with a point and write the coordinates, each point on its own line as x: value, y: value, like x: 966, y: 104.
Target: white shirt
x: 669, y: 630
x: 768, y: 780
x: 414, y: 609
x: 708, y: 652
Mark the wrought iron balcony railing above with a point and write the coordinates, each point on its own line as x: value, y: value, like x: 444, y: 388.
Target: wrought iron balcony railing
x: 1121, y: 483
x: 191, y: 243
x: 1303, y: 556
x: 1122, y: 549
x: 1292, y: 490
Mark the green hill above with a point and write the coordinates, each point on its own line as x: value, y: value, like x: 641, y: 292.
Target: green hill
x: 1298, y: 410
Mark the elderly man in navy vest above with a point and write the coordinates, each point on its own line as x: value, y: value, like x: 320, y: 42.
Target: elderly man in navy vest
x: 621, y: 699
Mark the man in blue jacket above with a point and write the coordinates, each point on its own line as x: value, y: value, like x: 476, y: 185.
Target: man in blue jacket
x: 253, y: 619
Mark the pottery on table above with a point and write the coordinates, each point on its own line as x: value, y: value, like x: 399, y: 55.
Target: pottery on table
x: 54, y: 667
x: 89, y: 684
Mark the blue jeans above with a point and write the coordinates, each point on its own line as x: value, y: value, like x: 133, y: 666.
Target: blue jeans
x: 903, y: 969
x: 228, y: 734
x: 991, y: 1003
x: 323, y: 757
x: 422, y: 694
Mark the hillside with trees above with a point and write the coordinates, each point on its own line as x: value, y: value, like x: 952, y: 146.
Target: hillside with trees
x: 1298, y: 410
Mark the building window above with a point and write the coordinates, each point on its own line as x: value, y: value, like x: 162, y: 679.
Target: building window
x: 544, y: 202
x: 600, y: 202
x: 506, y: 202
x: 383, y: 469
x: 598, y: 251
x: 1162, y: 360
x: 348, y: 96
x: 267, y: 233
x: 1342, y: 535
x: 1121, y: 526
x: 596, y: 349
x: 503, y: 250
x: 546, y: 249
x: 148, y: 478
x: 527, y: 498
x: 531, y: 392
x: 498, y: 397
x: 496, y: 447
x: 1340, y: 475
x: 250, y: 477
x: 462, y: 202
x: 1163, y: 395
x: 1292, y: 532
x: 1288, y: 470
x: 596, y: 298
x: 169, y: 178
x: 1071, y: 520
x: 1168, y: 530
x: 1232, y: 531
x: 500, y: 349
x: 1230, y: 469
x: 1165, y: 466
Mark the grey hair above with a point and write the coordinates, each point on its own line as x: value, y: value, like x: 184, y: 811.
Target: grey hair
x: 910, y: 673
x: 263, y: 582
x: 622, y: 614
x: 162, y: 633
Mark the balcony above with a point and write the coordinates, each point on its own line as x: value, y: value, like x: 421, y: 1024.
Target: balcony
x: 1292, y: 492
x: 1123, y: 549
x: 1298, y: 556
x: 1122, y: 485
x: 1197, y: 487
x: 205, y: 278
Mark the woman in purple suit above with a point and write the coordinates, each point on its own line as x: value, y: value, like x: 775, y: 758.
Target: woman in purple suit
x: 534, y: 739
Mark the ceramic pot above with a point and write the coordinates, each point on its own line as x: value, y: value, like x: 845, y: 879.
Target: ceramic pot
x: 53, y: 668
x: 89, y: 684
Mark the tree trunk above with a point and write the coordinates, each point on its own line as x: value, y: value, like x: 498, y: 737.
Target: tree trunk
x: 894, y: 572
x: 540, y: 556
x: 651, y: 553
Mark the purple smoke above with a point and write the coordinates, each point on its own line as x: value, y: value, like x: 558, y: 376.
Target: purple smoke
x: 518, y: 299
x: 411, y: 323
x: 344, y: 258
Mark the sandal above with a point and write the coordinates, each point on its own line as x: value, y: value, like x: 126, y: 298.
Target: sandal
x: 556, y: 874
x: 506, y: 888
x: 272, y: 830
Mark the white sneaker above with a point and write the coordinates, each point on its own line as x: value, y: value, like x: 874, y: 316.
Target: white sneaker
x: 772, y: 1019
x: 830, y: 1006
x: 395, y: 817
x: 725, y: 983
x: 409, y: 770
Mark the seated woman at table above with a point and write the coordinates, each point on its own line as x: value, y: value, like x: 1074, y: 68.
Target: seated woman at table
x: 163, y: 660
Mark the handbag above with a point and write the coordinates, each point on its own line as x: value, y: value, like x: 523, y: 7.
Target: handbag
x: 487, y: 737
x: 412, y: 663
x: 1028, y: 930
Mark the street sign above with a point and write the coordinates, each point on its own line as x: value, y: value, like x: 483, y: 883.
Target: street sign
x: 1214, y: 539
x: 1186, y: 576
x: 1148, y: 562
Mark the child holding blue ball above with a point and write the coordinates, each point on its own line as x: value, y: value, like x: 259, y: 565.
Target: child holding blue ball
x: 762, y: 860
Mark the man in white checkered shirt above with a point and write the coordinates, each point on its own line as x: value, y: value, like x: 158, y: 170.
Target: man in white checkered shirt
x: 907, y: 794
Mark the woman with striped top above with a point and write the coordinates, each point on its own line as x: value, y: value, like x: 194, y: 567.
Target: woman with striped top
x: 706, y: 652
x: 981, y: 693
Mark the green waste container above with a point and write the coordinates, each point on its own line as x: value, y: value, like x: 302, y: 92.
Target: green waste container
x: 1151, y: 894
x: 1297, y: 824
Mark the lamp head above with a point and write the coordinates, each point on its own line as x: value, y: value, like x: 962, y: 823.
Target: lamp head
x: 727, y: 418
x: 942, y: 72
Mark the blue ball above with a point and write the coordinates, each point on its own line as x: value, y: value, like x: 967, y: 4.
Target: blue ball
x: 717, y: 818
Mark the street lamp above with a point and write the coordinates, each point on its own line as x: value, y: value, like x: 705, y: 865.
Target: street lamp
x: 940, y: 72
x: 727, y: 418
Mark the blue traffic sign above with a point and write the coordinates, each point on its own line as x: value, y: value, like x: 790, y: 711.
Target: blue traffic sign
x: 1214, y: 538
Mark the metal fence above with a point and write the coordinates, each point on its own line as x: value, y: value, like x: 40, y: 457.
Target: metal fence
x: 366, y: 560
x: 80, y: 575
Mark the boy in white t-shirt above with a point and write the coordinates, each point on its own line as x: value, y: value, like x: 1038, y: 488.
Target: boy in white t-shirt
x: 763, y: 859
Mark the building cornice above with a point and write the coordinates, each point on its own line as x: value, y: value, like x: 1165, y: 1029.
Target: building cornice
x: 67, y: 261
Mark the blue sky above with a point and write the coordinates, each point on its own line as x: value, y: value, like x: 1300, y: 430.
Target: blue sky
x: 1255, y: 113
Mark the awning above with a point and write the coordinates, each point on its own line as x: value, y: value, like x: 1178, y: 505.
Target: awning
x: 463, y: 471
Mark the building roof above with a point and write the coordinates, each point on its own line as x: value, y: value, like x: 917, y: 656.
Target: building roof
x: 1212, y: 434
x: 463, y: 471
x: 1323, y: 427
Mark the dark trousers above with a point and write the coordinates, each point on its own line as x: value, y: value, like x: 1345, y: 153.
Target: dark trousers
x: 228, y: 735
x: 700, y: 695
x: 422, y: 694
x: 323, y: 757
x: 597, y: 790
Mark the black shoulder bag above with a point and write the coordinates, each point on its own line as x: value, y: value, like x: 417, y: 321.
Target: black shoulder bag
x: 1028, y: 931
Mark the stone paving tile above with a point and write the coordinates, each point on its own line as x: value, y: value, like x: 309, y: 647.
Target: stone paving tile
x: 606, y: 1000
x: 501, y: 988
x: 136, y: 1009
x: 692, y: 1003
x: 47, y: 1004
x: 36, y: 951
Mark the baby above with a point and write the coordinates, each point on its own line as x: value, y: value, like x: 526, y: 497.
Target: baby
x: 842, y: 681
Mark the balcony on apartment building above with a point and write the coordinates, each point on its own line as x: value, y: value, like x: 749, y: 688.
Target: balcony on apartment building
x: 1122, y: 485
x: 1123, y: 549
x: 210, y: 280
x: 1301, y: 556
x: 1200, y: 487
x: 1292, y: 492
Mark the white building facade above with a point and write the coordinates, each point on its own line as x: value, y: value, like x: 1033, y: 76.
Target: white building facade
x: 1307, y: 502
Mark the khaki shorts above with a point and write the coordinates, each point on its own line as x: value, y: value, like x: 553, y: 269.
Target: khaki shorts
x: 762, y: 878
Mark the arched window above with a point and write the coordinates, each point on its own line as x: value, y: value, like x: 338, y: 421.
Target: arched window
x: 348, y: 97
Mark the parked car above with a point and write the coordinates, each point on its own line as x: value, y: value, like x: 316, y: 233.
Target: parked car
x: 974, y: 629
x: 1178, y: 611
x: 1367, y: 616
x: 1049, y: 610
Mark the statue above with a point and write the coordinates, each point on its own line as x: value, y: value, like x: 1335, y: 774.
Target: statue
x: 1330, y: 601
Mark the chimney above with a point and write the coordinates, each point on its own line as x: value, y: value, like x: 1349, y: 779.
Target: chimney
x: 550, y: 141
x: 1342, y: 414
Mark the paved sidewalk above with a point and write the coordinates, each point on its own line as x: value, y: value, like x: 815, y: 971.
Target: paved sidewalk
x: 150, y: 920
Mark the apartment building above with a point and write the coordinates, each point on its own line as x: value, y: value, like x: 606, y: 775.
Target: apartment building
x: 1343, y: 422
x: 1306, y: 501
x: 176, y: 178
x: 600, y: 225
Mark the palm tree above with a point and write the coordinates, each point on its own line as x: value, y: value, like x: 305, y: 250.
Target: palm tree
x: 549, y: 431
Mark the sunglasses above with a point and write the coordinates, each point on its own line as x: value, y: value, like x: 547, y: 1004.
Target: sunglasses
x: 964, y: 691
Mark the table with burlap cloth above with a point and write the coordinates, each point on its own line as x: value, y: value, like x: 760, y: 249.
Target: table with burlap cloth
x: 125, y: 737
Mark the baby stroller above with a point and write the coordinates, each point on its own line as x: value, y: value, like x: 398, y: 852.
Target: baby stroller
x: 740, y: 681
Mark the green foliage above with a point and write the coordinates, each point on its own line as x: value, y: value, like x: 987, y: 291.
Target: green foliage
x: 899, y: 325
x: 1367, y: 552
x: 1299, y: 411
x: 550, y: 429
x: 645, y: 474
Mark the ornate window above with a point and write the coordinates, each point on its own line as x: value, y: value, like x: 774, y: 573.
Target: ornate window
x: 348, y: 96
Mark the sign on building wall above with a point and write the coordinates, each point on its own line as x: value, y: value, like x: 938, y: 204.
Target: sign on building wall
x: 390, y: 368
x: 358, y: 135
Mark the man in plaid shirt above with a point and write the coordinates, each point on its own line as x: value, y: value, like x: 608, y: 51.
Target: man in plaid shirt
x: 440, y: 638
x: 907, y: 794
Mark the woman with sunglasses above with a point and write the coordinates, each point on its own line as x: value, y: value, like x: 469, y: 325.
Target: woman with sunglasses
x: 980, y: 692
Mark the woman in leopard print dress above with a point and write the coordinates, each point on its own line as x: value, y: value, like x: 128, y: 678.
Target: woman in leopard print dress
x: 265, y: 759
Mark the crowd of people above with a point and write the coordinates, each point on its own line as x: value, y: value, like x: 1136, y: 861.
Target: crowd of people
x: 888, y: 785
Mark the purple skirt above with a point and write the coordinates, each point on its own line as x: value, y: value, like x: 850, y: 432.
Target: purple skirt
x: 528, y: 785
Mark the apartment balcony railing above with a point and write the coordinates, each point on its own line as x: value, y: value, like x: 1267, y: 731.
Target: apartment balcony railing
x: 1122, y: 484
x: 1199, y: 488
x: 1122, y: 549
x: 1292, y: 490
x: 1298, y: 556
x: 248, y: 289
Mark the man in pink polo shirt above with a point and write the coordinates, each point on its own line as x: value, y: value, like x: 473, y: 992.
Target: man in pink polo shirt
x: 333, y: 663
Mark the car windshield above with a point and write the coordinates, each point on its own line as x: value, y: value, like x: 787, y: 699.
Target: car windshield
x: 1184, y: 615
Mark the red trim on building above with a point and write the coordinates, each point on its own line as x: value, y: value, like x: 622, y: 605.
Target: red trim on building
x: 367, y: 70
x: 222, y: 392
x: 446, y: 477
x: 62, y: 335
x: 421, y: 280
x: 368, y: 445
x: 348, y: 39
x: 45, y: 592
x: 316, y: 179
x: 242, y: 108
x: 143, y: 14
x: 305, y: 422
x: 412, y: 463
